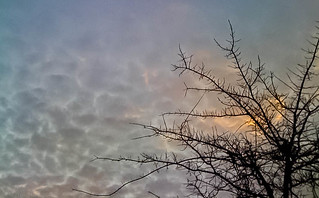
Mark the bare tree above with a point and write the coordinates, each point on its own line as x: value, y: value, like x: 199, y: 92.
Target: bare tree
x: 275, y: 153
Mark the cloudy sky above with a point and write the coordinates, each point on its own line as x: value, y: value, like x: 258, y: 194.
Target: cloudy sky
x: 74, y: 74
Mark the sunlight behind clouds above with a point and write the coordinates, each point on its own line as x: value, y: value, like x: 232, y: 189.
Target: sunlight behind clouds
x: 75, y: 74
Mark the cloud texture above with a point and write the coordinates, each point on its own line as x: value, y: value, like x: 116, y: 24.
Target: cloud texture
x: 74, y: 74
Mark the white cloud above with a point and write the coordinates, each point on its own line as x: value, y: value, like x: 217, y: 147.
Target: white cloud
x: 73, y: 75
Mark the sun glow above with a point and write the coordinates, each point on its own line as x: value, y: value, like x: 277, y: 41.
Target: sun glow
x: 274, y: 113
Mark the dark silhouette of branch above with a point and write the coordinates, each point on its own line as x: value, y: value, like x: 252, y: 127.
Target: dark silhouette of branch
x: 154, y: 194
x: 273, y: 153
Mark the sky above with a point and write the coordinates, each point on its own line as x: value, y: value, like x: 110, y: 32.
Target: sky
x: 74, y: 74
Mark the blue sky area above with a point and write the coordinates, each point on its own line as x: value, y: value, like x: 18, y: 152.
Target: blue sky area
x: 74, y: 74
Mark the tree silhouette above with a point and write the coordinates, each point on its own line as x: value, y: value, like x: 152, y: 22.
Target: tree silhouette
x: 274, y: 153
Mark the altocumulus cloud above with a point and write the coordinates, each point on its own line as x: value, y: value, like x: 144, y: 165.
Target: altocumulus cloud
x: 74, y: 74
x: 70, y: 87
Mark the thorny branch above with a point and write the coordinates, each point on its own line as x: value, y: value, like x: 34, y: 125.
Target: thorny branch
x: 279, y: 159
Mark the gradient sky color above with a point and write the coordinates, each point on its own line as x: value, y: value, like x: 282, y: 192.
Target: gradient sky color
x: 74, y: 74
